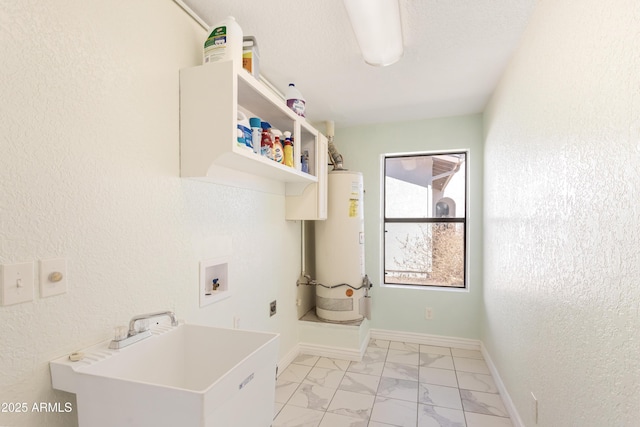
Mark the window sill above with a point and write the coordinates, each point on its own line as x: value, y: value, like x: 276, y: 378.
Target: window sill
x: 426, y: 288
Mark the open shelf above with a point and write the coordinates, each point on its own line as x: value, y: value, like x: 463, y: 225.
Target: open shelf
x: 210, y: 97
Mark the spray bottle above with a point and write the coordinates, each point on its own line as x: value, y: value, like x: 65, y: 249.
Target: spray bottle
x: 266, y: 145
x: 288, y: 149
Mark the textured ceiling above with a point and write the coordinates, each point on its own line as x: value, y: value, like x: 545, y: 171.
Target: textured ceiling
x: 455, y: 53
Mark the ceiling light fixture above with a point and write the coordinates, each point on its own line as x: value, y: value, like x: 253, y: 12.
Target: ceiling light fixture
x: 377, y: 26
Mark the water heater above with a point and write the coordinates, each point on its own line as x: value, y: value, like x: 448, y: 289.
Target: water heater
x: 340, y: 250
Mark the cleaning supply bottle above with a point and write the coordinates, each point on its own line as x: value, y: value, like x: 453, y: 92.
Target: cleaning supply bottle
x: 266, y: 144
x: 244, y: 132
x: 256, y: 133
x: 305, y: 161
x: 288, y: 149
x: 224, y: 42
x: 278, y: 151
x: 295, y: 100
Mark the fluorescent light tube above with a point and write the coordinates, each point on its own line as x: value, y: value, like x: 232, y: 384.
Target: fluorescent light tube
x: 376, y: 24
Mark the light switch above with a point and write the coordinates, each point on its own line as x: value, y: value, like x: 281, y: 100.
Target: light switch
x: 17, y: 283
x: 53, y: 277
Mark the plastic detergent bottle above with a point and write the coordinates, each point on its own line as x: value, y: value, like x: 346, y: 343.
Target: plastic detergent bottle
x: 224, y: 42
x: 244, y: 132
x: 295, y: 100
x: 266, y: 144
x: 278, y: 150
x: 251, y: 56
x: 288, y: 149
x: 256, y: 133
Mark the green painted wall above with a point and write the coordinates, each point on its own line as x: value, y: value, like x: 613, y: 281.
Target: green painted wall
x: 455, y: 313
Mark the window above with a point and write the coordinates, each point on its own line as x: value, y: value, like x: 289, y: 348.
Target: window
x: 425, y: 219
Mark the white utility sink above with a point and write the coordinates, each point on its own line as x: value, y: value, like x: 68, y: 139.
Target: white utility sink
x: 187, y: 376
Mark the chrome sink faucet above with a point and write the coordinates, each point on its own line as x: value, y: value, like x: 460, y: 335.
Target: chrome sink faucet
x: 131, y: 336
x: 134, y: 319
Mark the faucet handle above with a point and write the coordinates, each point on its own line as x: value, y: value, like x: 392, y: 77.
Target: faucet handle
x: 120, y: 333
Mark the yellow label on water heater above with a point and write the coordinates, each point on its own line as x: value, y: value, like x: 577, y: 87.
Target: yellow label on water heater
x: 354, y: 199
x: 353, y: 208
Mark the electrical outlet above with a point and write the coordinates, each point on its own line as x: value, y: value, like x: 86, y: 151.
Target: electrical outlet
x: 428, y: 313
x: 272, y: 308
x: 53, y: 277
x: 534, y: 408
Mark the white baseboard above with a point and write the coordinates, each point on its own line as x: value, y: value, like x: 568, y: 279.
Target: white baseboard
x: 326, y: 351
x: 323, y: 351
x: 425, y: 339
x: 335, y: 352
x: 506, y: 398
x: 288, y: 358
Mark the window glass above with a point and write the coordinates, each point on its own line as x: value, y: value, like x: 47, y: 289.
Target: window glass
x: 424, y: 254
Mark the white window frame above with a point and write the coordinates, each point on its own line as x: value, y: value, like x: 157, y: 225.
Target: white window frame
x: 382, y: 221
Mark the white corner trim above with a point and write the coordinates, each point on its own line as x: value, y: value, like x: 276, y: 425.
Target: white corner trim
x: 335, y: 352
x: 506, y: 398
x: 192, y: 14
x: 425, y: 339
x: 288, y: 358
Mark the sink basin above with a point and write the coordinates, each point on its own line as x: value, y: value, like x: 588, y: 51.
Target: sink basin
x: 188, y: 375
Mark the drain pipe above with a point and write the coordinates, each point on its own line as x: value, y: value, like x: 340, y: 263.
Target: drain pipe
x: 305, y: 278
x: 303, y: 274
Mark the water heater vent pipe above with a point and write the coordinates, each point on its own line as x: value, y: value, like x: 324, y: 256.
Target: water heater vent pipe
x: 334, y: 155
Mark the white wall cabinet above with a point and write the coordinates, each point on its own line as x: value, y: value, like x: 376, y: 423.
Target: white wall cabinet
x: 210, y: 97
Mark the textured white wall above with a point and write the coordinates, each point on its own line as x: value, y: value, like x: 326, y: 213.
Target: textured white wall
x: 562, y: 224
x: 89, y: 170
x: 455, y: 314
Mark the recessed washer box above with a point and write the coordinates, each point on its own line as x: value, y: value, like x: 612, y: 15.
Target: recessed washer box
x: 214, y: 280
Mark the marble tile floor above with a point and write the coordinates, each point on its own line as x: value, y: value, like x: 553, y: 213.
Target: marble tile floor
x: 396, y: 384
